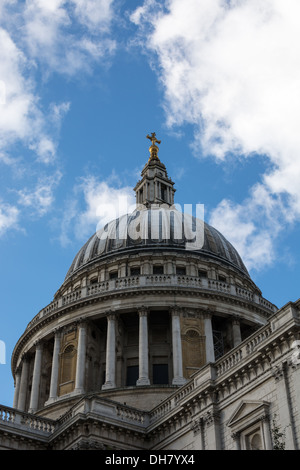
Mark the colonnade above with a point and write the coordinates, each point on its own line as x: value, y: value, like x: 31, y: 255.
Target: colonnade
x: 22, y: 374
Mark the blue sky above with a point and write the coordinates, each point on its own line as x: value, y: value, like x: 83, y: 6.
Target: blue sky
x: 81, y: 84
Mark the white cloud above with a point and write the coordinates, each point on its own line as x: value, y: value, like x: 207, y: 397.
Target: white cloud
x: 232, y: 70
x: 238, y: 222
x: 21, y: 117
x: 94, y: 204
x: 67, y: 36
x: 9, y: 217
x: 39, y: 37
x: 41, y: 198
x: 94, y: 14
x: 104, y: 203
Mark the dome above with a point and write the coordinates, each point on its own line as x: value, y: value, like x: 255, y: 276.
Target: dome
x: 151, y: 298
x: 160, y: 228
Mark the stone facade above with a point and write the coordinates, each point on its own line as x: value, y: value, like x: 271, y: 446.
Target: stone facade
x: 150, y: 345
x: 234, y: 403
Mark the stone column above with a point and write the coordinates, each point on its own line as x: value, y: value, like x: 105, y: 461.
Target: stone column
x: 81, y: 359
x: 284, y: 399
x: 17, y: 388
x: 55, y: 366
x: 236, y: 332
x: 209, y: 341
x: 23, y: 384
x: 110, y: 376
x: 237, y: 440
x: 267, y: 433
x: 143, y: 349
x: 213, y: 432
x: 36, y: 379
x: 178, y: 378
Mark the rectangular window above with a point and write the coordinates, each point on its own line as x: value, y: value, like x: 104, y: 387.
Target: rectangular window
x: 158, y: 269
x: 160, y: 374
x: 132, y: 375
x: 135, y: 271
x: 113, y: 275
x: 202, y: 273
x: 181, y: 270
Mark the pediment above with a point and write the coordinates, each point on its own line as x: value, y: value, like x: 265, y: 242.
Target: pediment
x: 248, y: 411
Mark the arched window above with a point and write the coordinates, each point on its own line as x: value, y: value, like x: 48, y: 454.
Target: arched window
x: 193, y: 351
x: 255, y: 442
x: 68, y: 369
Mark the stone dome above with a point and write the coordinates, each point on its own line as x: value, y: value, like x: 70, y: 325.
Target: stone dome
x: 160, y: 228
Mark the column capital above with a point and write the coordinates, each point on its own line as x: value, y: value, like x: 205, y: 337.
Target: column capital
x: 18, y: 369
x: 143, y: 311
x: 57, y: 330
x: 196, y: 425
x: 25, y: 357
x: 176, y: 311
x: 278, y: 372
x: 235, y: 435
x: 207, y: 315
x: 82, y: 322
x: 38, y: 344
x: 111, y: 315
x: 211, y: 417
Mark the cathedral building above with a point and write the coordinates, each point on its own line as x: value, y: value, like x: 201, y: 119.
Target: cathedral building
x: 158, y: 339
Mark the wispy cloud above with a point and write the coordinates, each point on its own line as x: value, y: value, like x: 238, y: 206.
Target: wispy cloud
x: 93, y: 204
x: 9, y: 217
x: 71, y: 34
x: 39, y: 38
x: 40, y: 198
x: 231, y: 69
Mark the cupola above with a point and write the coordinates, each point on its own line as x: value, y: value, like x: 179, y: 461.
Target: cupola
x: 155, y: 187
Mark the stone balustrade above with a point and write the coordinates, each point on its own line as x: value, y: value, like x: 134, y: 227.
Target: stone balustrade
x: 132, y: 415
x: 13, y: 417
x: 148, y: 281
x: 237, y: 354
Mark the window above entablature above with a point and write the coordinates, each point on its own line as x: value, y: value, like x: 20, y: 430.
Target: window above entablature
x: 135, y: 271
x: 158, y: 269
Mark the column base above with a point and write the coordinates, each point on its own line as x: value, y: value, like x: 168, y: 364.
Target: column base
x: 50, y: 401
x: 78, y: 391
x: 108, y: 385
x: 179, y: 381
x: 143, y: 381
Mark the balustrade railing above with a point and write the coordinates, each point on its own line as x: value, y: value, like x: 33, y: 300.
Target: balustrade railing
x: 11, y: 416
x: 131, y: 282
x: 254, y: 341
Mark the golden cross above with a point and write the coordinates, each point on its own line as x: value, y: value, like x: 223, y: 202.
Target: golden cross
x: 153, y: 138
